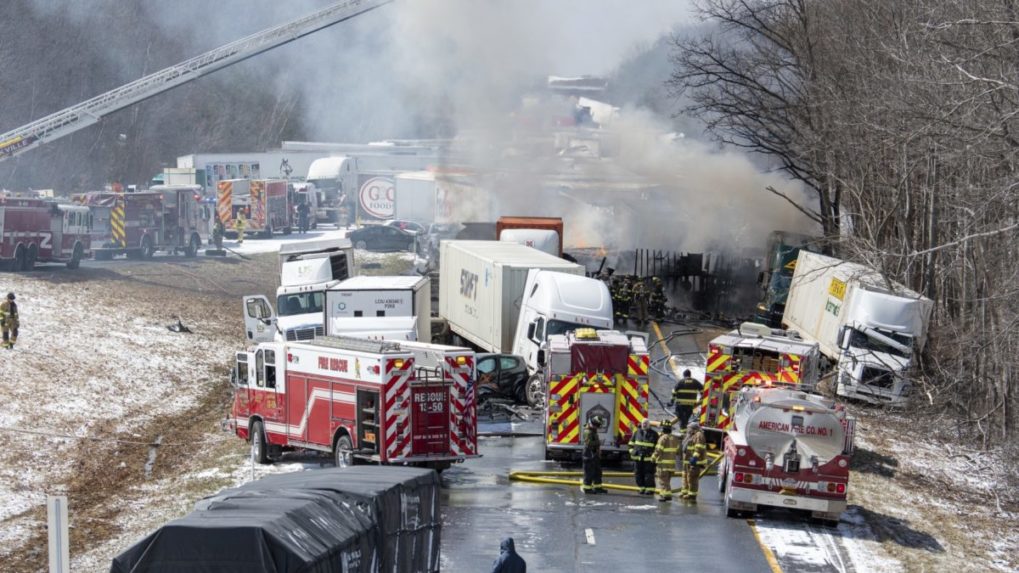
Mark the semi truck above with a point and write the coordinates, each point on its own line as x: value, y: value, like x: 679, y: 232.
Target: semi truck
x: 381, y: 307
x: 357, y: 399
x: 306, y: 269
x: 168, y: 218
x: 590, y: 373
x: 869, y: 328
x: 504, y: 297
x: 786, y: 448
x: 263, y: 204
x: 782, y: 252
x: 42, y: 231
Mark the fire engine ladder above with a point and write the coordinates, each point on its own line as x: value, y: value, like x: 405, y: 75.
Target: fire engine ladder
x: 89, y: 112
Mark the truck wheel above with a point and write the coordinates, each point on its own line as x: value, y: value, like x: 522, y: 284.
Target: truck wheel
x: 729, y: 512
x: 32, y: 257
x: 259, y: 450
x: 535, y: 391
x: 193, y: 245
x: 147, y: 248
x: 75, y: 261
x: 343, y: 452
x: 19, y: 259
x: 722, y: 476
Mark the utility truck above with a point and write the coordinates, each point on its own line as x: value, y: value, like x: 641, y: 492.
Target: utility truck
x: 307, y: 269
x: 505, y: 297
x: 868, y: 327
x: 592, y: 373
x: 786, y: 448
x: 360, y: 400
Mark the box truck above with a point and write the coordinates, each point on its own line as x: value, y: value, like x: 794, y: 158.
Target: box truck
x: 380, y: 307
x: 868, y: 327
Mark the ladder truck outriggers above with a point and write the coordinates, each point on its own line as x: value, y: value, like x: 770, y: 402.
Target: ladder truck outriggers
x: 360, y: 400
x: 592, y: 373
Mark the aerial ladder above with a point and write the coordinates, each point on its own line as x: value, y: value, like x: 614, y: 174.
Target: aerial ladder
x: 89, y: 112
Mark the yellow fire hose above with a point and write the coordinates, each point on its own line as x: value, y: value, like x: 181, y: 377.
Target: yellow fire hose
x: 561, y: 477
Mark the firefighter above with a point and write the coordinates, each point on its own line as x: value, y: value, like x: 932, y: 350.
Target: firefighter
x: 642, y: 446
x: 303, y: 214
x: 591, y: 457
x: 623, y: 310
x: 685, y: 396
x: 694, y: 452
x: 639, y: 301
x: 657, y: 300
x: 217, y: 234
x: 9, y: 321
x: 664, y: 458
x: 239, y: 226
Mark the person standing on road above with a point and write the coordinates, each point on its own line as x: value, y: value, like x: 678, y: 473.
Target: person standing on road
x: 640, y: 301
x: 642, y: 446
x: 509, y: 561
x: 9, y: 321
x: 694, y: 452
x: 303, y: 212
x: 217, y: 233
x: 591, y: 457
x: 665, y: 461
x: 685, y: 396
x: 239, y: 226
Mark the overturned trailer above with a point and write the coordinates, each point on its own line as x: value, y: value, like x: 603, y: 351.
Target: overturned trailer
x: 342, y: 520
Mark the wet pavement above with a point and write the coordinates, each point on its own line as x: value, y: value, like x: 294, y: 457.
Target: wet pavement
x: 557, y: 528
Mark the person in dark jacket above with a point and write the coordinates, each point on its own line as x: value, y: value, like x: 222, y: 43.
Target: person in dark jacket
x: 685, y: 397
x: 508, y: 560
x: 591, y: 457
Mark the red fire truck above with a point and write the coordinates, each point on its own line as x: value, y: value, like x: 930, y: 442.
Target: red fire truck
x: 263, y: 204
x: 42, y: 231
x: 359, y: 399
x: 591, y: 373
x: 786, y: 448
x: 137, y: 224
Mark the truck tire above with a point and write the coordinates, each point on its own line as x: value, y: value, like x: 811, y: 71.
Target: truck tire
x: 259, y: 449
x: 729, y: 512
x: 75, y: 261
x: 343, y: 452
x: 535, y: 391
x: 193, y: 245
x: 19, y: 259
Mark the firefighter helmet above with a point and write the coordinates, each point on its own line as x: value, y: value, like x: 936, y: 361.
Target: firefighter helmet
x: 686, y: 373
x: 596, y: 421
x: 10, y: 296
x: 667, y: 426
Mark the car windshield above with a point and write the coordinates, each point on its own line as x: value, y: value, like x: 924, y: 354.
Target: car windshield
x: 562, y: 327
x: 299, y: 303
x: 859, y: 339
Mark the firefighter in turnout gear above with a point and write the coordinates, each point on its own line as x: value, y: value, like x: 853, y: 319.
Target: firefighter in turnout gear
x: 694, y: 453
x: 664, y: 458
x: 217, y: 234
x: 642, y: 446
x: 639, y: 303
x: 686, y: 394
x: 9, y: 320
x: 621, y: 304
x: 591, y: 457
x: 239, y: 226
x: 657, y: 301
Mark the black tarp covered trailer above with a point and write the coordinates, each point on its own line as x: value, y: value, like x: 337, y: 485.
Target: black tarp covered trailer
x: 342, y: 520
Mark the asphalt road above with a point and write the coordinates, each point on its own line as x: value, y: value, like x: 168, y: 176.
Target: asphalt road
x: 557, y: 528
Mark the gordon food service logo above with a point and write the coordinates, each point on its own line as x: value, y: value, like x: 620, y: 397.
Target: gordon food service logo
x: 378, y: 197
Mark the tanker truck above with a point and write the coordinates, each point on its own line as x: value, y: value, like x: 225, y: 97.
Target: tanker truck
x: 786, y: 448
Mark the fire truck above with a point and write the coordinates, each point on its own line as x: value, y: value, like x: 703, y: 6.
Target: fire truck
x: 752, y: 355
x: 41, y: 231
x: 592, y: 373
x: 137, y: 224
x: 786, y: 448
x: 360, y: 400
x: 263, y: 204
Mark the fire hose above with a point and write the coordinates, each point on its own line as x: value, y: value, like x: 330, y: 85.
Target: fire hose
x: 561, y: 477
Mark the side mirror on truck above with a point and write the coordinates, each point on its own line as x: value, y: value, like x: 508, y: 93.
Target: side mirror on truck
x: 541, y: 356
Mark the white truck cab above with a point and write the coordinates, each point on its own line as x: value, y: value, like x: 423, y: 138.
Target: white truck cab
x: 307, y: 270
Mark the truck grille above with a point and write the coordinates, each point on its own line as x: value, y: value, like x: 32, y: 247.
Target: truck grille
x: 295, y: 334
x: 878, y: 378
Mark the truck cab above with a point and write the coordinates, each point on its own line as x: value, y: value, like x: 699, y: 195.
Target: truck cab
x: 307, y: 270
x: 332, y: 177
x: 553, y: 304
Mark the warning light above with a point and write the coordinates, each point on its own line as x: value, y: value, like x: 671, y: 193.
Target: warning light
x: 398, y: 364
x: 461, y: 360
